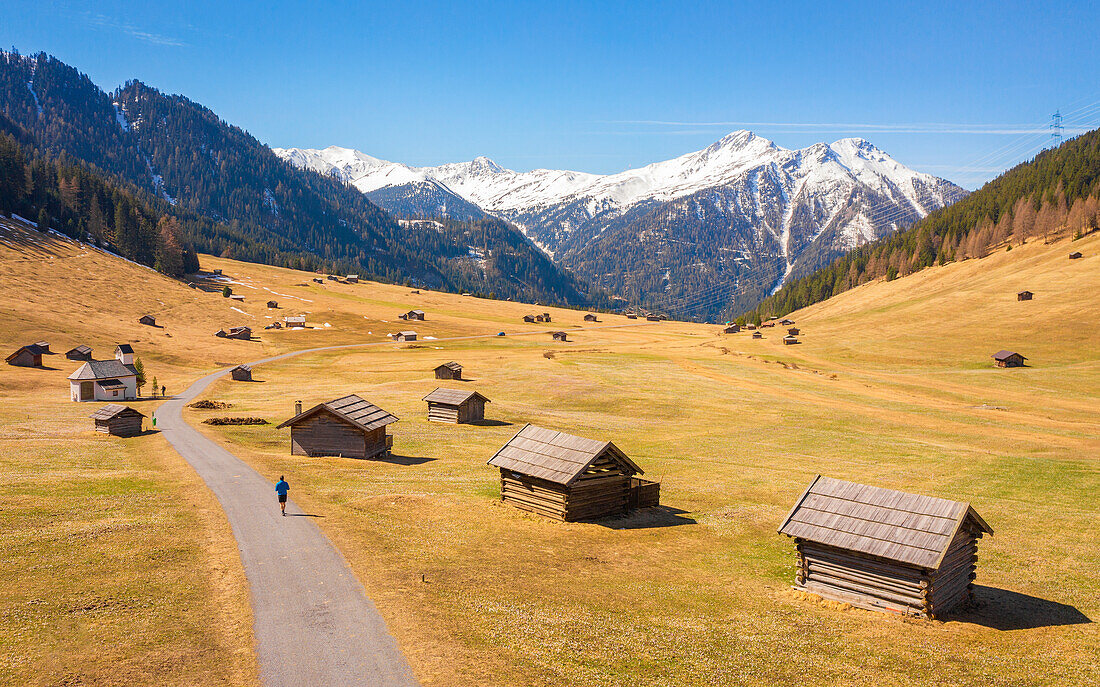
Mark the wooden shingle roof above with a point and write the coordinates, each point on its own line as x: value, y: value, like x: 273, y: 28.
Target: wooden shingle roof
x: 111, y: 410
x: 556, y: 456
x: 890, y: 524
x: 1005, y: 355
x: 452, y: 397
x: 351, y: 409
x: 452, y: 365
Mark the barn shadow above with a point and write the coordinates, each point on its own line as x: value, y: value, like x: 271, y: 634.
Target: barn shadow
x: 303, y: 515
x: 46, y: 367
x: 492, y: 423
x: 403, y: 460
x: 1003, y: 609
x: 647, y: 518
x: 147, y: 432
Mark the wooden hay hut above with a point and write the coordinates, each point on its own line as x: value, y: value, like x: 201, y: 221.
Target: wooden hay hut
x: 241, y: 373
x: 1024, y: 296
x: 26, y: 356
x: 1008, y: 359
x: 882, y: 549
x: 318, y: 280
x: 295, y: 320
x: 118, y: 420
x: 412, y: 315
x: 273, y: 304
x: 559, y: 336
x: 631, y: 316
x: 767, y: 324
x: 570, y: 478
x: 44, y: 346
x: 653, y: 318
x: 757, y: 335
x: 353, y: 279
x: 786, y: 322
x: 81, y: 352
x: 404, y: 336
x: 793, y: 331
x: 456, y: 407
x: 750, y: 327
x: 1075, y: 255
x: 528, y: 318
x: 237, y: 297
x: 148, y: 320
x: 732, y: 329
x: 451, y: 370
x: 349, y: 427
x: 590, y: 318
x: 790, y: 340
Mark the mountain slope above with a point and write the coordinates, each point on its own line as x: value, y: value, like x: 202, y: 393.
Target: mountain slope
x: 1057, y: 193
x: 256, y: 206
x: 649, y: 234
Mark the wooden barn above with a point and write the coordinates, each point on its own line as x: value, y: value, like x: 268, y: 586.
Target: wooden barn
x: 1024, y: 296
x: 882, y: 549
x: 631, y: 316
x: 732, y: 329
x: 241, y: 373
x: 451, y: 370
x: 757, y: 335
x: 1008, y: 359
x: 793, y: 331
x: 26, y: 356
x: 273, y: 304
x: 456, y: 407
x: 81, y: 352
x: 559, y: 336
x: 295, y: 320
x: 118, y: 420
x: 570, y: 478
x: 353, y: 279
x: 348, y: 427
x: 590, y: 318
x: 786, y: 322
x: 767, y: 324
x: 43, y: 346
x: 412, y: 315
x: 404, y: 336
x: 653, y: 318
x: 317, y: 280
x: 790, y: 340
x: 148, y: 320
x: 1075, y: 255
x: 749, y: 327
x: 528, y: 318
x: 242, y: 333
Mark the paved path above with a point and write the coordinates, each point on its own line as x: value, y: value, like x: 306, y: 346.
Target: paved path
x: 314, y: 624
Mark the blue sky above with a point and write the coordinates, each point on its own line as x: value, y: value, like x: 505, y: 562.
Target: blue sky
x: 951, y: 89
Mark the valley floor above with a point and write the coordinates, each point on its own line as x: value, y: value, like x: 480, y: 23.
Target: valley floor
x: 892, y: 386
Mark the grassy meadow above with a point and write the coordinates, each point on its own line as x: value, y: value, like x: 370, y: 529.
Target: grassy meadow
x: 892, y: 385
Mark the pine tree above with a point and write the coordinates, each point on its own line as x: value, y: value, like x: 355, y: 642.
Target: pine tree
x: 139, y: 369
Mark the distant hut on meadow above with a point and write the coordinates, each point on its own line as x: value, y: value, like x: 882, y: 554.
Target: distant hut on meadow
x: 273, y: 304
x: 785, y: 322
x: 148, y: 320
x: 1075, y: 255
x: 242, y: 333
x: 793, y: 331
x: 528, y: 318
x: 1024, y: 296
x: 44, y: 346
x: 349, y: 427
x: 559, y: 336
x: 767, y: 324
x: 26, y: 356
x: 570, y: 478
x: 790, y: 340
x: 412, y: 315
x: 81, y: 352
x: 404, y: 336
x: 631, y: 316
x: 237, y: 297
x: 882, y: 549
x: 318, y: 280
x: 352, y: 279
x: 118, y: 420
x: 590, y: 318
x: 653, y: 318
x: 451, y: 370
x: 332, y: 277
x: 732, y: 329
x: 757, y: 335
x: 295, y: 320
x: 241, y: 373
x: 750, y: 327
x: 455, y: 406
x: 1008, y: 359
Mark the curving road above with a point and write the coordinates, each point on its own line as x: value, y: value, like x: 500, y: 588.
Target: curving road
x: 314, y: 624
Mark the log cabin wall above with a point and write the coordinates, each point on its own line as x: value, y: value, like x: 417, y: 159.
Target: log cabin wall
x: 441, y: 412
x: 862, y: 581
x: 123, y: 425
x: 325, y: 435
x: 532, y: 494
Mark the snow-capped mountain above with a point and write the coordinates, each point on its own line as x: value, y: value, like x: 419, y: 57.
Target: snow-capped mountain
x: 782, y: 210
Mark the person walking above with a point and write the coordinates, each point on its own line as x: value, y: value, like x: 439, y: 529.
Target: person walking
x: 281, y: 488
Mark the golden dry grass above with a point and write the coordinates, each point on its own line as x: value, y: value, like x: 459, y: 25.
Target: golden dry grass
x: 892, y: 386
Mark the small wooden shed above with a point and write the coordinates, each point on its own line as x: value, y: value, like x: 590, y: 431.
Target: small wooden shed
x: 26, y: 356
x: 404, y: 336
x: 43, y: 346
x: 732, y: 329
x: 590, y: 318
x: 570, y: 478
x: 148, y: 320
x: 757, y: 335
x: 882, y: 549
x: 790, y: 340
x: 1075, y: 255
x: 118, y: 420
x: 353, y: 278
x: 295, y: 320
x: 750, y: 327
x: 767, y: 324
x: 318, y: 280
x: 349, y: 427
x: 412, y: 315
x: 1008, y: 359
x: 81, y: 352
x: 241, y: 373
x: 273, y: 304
x: 456, y: 407
x: 528, y: 318
x: 786, y: 322
x: 631, y: 316
x: 793, y: 331
x: 451, y: 370
x: 559, y: 336
x: 653, y: 318
x: 1024, y: 296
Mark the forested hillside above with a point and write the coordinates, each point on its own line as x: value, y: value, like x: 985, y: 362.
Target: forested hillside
x: 234, y: 197
x: 1058, y: 192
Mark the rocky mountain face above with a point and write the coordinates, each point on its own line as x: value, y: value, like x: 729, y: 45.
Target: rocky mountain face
x: 711, y: 231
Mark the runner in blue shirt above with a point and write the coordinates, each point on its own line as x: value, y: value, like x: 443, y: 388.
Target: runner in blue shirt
x: 281, y: 488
